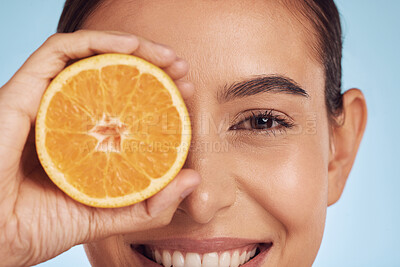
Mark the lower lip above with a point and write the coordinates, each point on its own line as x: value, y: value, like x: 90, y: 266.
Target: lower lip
x: 255, y: 262
x: 260, y: 258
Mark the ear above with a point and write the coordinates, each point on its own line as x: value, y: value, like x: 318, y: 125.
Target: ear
x: 345, y: 140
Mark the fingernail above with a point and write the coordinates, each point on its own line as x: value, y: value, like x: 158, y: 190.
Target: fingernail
x: 187, y: 192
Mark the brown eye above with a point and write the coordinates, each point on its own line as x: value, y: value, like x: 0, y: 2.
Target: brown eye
x: 257, y: 122
x: 262, y: 122
x: 265, y: 121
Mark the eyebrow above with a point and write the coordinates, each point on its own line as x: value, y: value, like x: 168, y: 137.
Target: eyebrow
x: 260, y: 84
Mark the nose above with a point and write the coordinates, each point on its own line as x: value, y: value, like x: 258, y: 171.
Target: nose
x: 217, y: 189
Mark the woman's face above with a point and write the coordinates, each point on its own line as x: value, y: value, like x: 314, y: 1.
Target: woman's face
x: 262, y: 149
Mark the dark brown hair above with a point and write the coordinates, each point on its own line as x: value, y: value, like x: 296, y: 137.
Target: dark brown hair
x: 322, y: 14
x: 325, y: 20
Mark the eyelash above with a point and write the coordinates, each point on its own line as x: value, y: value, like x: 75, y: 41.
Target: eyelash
x: 282, y: 124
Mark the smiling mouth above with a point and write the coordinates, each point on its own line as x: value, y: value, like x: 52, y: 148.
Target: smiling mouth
x: 247, y: 256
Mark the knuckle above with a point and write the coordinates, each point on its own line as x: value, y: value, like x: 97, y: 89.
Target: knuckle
x: 80, y: 32
x: 55, y: 38
x: 155, y: 220
x: 54, y: 41
x: 67, y: 44
x: 61, y: 39
x: 163, y: 220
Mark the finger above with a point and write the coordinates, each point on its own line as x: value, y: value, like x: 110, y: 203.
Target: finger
x: 24, y: 90
x: 60, y: 48
x: 20, y: 97
x: 177, y: 69
x: 169, y: 198
x: 158, y: 54
x: 153, y: 212
x: 186, y: 88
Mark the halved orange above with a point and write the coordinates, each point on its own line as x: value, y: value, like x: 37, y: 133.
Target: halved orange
x: 112, y: 130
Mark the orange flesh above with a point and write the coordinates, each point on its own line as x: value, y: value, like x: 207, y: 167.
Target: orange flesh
x: 111, y: 131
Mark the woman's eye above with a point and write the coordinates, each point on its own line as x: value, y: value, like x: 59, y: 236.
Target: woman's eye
x: 262, y: 121
x: 256, y: 122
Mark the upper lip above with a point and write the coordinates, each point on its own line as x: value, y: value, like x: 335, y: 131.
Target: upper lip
x: 201, y: 246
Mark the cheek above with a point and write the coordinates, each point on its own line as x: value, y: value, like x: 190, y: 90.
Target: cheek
x: 290, y: 183
x: 298, y: 187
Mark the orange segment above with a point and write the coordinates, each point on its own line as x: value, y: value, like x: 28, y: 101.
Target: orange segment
x: 149, y: 95
x: 78, y: 147
x: 152, y: 90
x: 122, y: 173
x: 88, y: 175
x: 112, y: 130
x: 66, y: 115
x: 119, y: 85
x: 168, y: 128
x: 84, y: 89
x: 160, y: 155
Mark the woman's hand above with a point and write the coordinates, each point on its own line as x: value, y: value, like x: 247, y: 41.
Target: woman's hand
x: 37, y: 220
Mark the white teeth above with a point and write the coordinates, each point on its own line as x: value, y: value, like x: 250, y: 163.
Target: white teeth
x: 178, y: 260
x: 253, y: 252
x: 210, y: 260
x: 225, y: 259
x: 235, y: 259
x: 166, y: 259
x: 158, y: 257
x: 248, y: 256
x: 192, y: 260
x: 242, y: 258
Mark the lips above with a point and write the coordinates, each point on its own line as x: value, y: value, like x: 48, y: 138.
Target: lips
x: 221, y: 252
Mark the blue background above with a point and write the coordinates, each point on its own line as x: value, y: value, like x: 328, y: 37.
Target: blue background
x: 363, y: 228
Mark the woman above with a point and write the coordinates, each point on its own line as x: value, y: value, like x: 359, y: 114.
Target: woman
x: 263, y: 82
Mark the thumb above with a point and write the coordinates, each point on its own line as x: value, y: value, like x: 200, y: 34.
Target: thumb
x: 154, y: 212
x: 168, y: 200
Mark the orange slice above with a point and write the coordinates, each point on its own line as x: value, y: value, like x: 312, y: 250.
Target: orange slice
x: 112, y: 130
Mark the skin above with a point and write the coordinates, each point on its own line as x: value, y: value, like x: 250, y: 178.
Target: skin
x: 282, y: 182
x: 58, y: 222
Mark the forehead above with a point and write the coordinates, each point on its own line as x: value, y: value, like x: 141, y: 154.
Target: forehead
x: 233, y: 38
x: 205, y: 23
